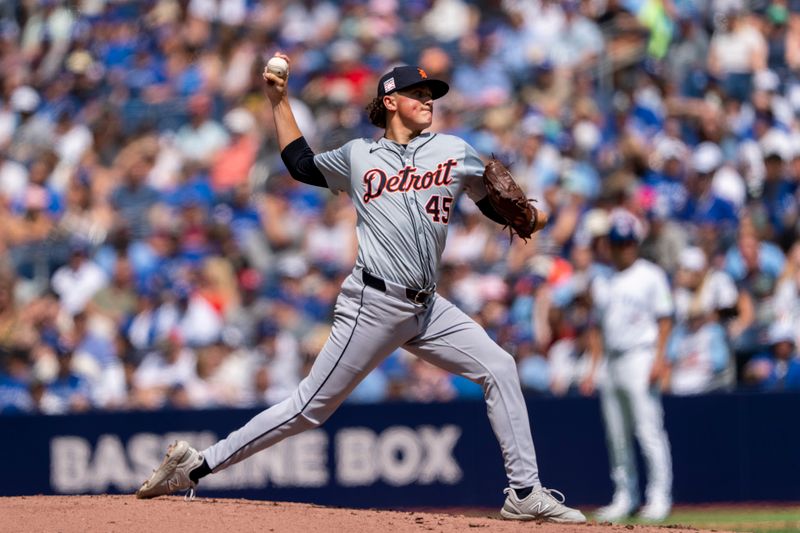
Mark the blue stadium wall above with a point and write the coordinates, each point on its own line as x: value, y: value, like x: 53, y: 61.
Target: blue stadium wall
x: 726, y: 448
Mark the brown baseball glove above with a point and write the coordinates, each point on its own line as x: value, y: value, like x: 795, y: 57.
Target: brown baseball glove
x: 507, y: 198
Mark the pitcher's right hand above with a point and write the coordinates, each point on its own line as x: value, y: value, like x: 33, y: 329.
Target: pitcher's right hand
x: 275, y: 88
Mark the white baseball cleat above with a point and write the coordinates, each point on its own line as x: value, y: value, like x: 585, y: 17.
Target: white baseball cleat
x: 173, y: 473
x: 656, y: 510
x: 620, y: 508
x: 540, y: 505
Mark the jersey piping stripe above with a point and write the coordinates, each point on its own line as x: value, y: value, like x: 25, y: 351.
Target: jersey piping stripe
x: 311, y: 398
x: 429, y: 260
x: 414, y: 227
x: 416, y: 240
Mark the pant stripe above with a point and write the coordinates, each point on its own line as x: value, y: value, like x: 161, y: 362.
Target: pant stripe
x: 311, y: 398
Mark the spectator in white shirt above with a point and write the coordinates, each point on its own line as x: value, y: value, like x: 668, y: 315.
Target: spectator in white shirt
x: 192, y: 316
x: 77, y: 282
x: 700, y: 355
x: 713, y: 291
x: 738, y: 50
x: 163, y: 370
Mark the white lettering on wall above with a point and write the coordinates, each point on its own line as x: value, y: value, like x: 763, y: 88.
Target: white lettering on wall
x: 439, y: 465
x: 400, y: 454
x: 69, y: 464
x: 110, y: 466
x: 355, y: 457
x: 397, y: 456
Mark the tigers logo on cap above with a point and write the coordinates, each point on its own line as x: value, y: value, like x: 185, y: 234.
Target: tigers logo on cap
x: 422, y: 74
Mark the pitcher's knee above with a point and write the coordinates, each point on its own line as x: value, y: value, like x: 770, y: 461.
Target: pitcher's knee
x: 311, y: 418
x: 501, y: 368
x: 305, y: 422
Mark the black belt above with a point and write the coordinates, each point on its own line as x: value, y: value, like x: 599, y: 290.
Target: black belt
x: 421, y: 297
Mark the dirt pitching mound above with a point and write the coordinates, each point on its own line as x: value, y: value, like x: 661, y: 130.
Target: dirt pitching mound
x: 105, y: 514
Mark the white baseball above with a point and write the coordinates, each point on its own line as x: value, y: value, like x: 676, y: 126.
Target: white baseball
x: 278, y: 66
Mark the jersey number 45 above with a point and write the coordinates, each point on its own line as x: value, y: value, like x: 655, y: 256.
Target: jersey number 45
x: 439, y: 208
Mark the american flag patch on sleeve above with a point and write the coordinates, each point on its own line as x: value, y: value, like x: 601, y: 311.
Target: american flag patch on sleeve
x: 388, y: 85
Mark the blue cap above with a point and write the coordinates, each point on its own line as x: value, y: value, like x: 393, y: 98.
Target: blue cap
x: 79, y: 245
x: 621, y: 234
x: 570, y: 6
x: 400, y: 78
x: 267, y: 328
x: 63, y: 348
x: 625, y: 228
x: 182, y: 291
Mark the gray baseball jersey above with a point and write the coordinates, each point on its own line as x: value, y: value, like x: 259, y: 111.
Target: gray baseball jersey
x: 404, y: 197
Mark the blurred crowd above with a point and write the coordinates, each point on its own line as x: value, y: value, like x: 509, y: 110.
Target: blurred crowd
x: 155, y: 253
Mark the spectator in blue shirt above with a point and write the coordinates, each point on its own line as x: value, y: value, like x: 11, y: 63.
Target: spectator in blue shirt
x: 14, y: 395
x: 667, y: 179
x: 69, y: 392
x: 751, y: 255
x: 133, y: 199
x: 705, y: 206
x: 779, y: 368
x: 755, y: 266
x: 777, y: 203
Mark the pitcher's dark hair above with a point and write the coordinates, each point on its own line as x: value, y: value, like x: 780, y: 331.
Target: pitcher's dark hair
x: 377, y: 112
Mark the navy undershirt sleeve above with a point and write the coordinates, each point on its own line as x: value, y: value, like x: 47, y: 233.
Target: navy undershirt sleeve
x: 488, y: 211
x: 299, y: 159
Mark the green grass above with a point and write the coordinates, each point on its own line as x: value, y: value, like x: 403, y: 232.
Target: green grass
x: 758, y: 519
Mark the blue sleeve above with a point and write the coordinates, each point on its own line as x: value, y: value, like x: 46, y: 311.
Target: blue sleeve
x: 56, y: 205
x: 730, y: 213
x: 734, y: 264
x: 771, y: 258
x: 673, y: 343
x: 720, y: 354
x: 792, y: 381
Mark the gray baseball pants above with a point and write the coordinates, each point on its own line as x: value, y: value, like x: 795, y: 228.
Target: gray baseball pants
x: 369, y: 325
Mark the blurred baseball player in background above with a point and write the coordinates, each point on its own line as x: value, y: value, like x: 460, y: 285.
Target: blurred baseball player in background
x: 404, y: 187
x: 634, y: 311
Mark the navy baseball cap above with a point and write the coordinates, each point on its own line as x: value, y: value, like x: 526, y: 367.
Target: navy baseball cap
x: 625, y: 228
x: 400, y: 78
x: 621, y: 235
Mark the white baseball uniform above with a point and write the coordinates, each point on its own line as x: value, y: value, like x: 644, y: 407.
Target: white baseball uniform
x: 629, y: 304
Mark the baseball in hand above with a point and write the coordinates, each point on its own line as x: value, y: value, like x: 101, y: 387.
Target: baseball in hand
x: 278, y: 66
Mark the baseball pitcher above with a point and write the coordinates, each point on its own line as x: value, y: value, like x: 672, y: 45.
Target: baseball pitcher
x: 404, y: 187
